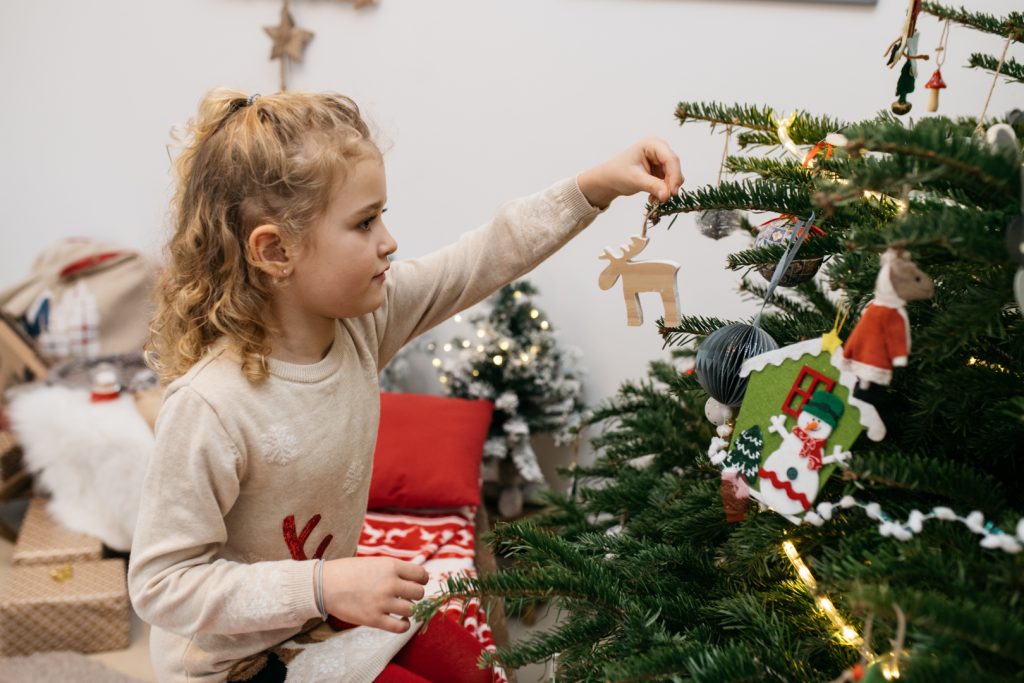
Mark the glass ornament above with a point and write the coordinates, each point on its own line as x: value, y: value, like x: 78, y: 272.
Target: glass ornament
x: 778, y: 232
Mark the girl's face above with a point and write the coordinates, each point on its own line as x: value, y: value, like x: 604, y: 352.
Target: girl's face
x: 339, y: 271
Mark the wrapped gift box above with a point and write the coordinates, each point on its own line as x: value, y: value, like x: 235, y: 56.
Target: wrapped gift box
x: 10, y: 456
x: 81, y: 606
x: 20, y: 358
x: 43, y: 541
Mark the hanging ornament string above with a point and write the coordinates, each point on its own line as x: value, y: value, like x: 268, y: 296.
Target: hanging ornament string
x: 940, y: 51
x: 796, y: 240
x: 995, y: 79
x: 651, y: 218
x: 725, y: 154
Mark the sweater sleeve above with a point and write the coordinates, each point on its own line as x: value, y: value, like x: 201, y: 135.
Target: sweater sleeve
x: 422, y: 293
x: 174, y: 580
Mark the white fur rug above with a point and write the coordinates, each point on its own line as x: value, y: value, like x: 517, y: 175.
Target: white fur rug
x: 91, y: 457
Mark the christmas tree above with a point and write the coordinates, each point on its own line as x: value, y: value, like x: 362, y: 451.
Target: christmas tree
x: 906, y: 563
x: 514, y: 360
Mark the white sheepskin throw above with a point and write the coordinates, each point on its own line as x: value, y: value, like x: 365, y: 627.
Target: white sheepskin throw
x: 91, y: 458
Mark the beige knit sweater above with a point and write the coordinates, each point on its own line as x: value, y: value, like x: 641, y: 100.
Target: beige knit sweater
x: 211, y: 565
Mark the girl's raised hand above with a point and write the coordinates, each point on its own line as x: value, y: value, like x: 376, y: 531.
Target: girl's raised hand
x: 373, y: 591
x: 647, y: 166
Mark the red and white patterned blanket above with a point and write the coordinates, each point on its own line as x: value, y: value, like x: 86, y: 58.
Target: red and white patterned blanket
x: 445, y: 545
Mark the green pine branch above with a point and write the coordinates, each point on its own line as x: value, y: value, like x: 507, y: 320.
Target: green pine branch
x: 1011, y: 69
x: 1010, y: 26
x: 928, y: 148
x: 805, y: 130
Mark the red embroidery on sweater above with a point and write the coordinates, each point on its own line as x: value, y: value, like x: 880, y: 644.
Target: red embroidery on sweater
x: 785, y: 486
x: 297, y: 543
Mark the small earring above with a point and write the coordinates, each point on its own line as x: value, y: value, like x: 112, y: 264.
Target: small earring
x: 284, y: 272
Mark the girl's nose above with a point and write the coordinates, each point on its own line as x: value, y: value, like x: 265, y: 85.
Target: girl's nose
x: 388, y: 245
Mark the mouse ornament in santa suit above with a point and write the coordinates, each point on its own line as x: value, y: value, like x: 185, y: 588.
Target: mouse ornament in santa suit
x: 881, y: 339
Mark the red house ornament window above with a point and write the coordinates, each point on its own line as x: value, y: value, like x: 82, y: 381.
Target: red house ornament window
x: 807, y: 382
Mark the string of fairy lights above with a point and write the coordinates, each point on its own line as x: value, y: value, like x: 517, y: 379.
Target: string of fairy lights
x: 506, y: 353
x: 887, y: 664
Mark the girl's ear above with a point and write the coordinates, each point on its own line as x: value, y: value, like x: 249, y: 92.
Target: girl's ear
x: 268, y: 251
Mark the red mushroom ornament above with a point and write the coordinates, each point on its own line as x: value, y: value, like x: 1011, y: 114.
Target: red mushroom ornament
x: 935, y: 85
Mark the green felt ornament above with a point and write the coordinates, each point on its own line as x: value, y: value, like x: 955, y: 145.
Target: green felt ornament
x: 745, y: 455
x: 803, y: 407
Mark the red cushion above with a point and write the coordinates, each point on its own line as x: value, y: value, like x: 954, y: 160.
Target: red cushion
x: 428, y: 451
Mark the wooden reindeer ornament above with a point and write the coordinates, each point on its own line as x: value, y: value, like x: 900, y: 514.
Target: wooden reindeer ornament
x: 641, y: 276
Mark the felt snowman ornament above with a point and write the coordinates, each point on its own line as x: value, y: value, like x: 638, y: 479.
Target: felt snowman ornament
x: 790, y: 477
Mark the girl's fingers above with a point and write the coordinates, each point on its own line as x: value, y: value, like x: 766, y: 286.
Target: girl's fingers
x: 392, y: 624
x: 412, y: 572
x: 666, y: 164
x: 407, y: 590
x: 402, y: 608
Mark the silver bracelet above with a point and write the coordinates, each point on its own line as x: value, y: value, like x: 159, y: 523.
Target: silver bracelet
x: 320, y: 605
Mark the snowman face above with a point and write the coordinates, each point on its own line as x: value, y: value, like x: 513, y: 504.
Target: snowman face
x: 815, y: 427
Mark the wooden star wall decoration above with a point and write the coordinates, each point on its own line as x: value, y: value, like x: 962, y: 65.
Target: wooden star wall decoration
x: 290, y: 42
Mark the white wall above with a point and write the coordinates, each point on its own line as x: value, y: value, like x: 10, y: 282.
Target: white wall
x: 480, y: 101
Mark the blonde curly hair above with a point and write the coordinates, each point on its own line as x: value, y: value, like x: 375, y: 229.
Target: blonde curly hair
x: 246, y: 162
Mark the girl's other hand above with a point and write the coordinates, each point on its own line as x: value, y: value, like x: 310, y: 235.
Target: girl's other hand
x: 647, y: 166
x: 373, y: 591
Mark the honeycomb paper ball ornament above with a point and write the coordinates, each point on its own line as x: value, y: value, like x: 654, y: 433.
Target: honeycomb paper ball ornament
x: 721, y: 356
x: 778, y: 232
x: 718, y: 223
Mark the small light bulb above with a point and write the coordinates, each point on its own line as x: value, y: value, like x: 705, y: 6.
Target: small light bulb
x: 480, y: 333
x: 850, y: 634
x: 525, y: 357
x: 534, y: 313
x: 517, y: 294
x: 447, y: 347
x: 436, y: 362
x: 535, y: 349
x: 465, y: 343
x: 805, y: 574
x: 790, y: 550
x: 431, y: 346
x: 480, y: 348
x: 444, y: 379
x: 476, y: 373
x: 458, y: 318
x: 498, y: 360
x: 826, y: 605
x: 503, y: 345
x: 544, y: 324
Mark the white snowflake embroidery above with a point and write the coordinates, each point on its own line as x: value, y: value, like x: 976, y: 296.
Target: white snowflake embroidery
x: 279, y: 445
x: 252, y: 607
x: 354, y: 476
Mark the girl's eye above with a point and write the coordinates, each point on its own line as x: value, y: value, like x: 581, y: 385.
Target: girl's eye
x: 365, y: 225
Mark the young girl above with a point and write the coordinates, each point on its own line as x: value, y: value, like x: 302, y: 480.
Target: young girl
x: 278, y: 308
